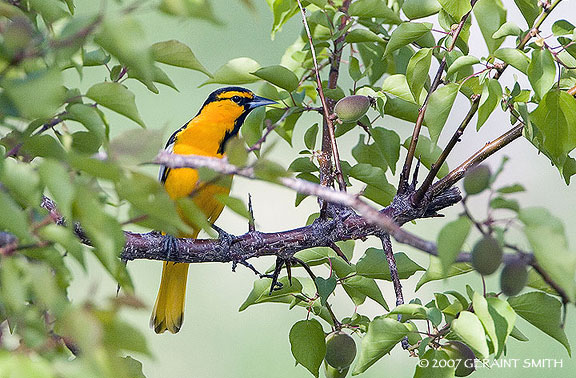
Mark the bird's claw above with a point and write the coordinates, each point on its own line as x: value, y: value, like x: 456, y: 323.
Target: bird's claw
x: 170, y: 246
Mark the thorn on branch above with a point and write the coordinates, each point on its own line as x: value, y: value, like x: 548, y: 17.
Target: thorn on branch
x: 251, y: 225
x: 339, y: 252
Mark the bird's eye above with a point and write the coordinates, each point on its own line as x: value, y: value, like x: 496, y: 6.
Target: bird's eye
x: 236, y: 99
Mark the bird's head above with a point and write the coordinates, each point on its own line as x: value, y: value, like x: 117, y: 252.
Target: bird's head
x: 230, y: 106
x: 233, y: 102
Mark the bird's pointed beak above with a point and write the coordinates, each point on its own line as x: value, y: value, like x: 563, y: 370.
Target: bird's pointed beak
x: 258, y: 101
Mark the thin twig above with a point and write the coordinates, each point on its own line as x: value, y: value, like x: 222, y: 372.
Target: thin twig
x: 419, y: 195
x: 269, y: 128
x: 327, y: 113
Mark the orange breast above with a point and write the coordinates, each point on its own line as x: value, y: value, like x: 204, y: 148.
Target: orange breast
x: 184, y: 182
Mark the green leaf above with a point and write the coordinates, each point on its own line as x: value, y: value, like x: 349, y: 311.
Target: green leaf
x: 13, y: 219
x: 383, y: 334
x: 50, y: 10
x: 176, y: 53
x: 374, y: 9
x: 57, y: 179
x: 378, y: 189
x: 363, y: 35
x: 456, y: 8
x: 133, y: 367
x: 562, y: 27
x: 308, y: 345
x: 508, y: 28
x: 303, y: 164
x: 513, y: 57
x: 490, y: 15
x: 405, y: 34
x: 90, y: 118
x: 504, y: 203
x: 414, y: 9
x: 282, y: 10
x: 410, y: 311
x: 514, y: 188
x: 491, y: 96
x: 236, y: 71
x: 122, y: 37
x: 261, y: 292
x: 469, y: 329
x: 530, y: 9
x: 22, y: 180
x: 543, y: 312
x: 325, y: 288
x: 428, y: 153
x: 417, y: 71
x: 434, y: 367
x: 375, y: 265
x: 200, y: 9
x: 116, y: 97
x: 547, y: 237
x: 235, y: 204
x: 541, y: 71
x: 278, y: 75
x: 104, y: 232
x: 389, y: 144
x: 451, y: 239
x: 438, y: 110
x: 66, y: 238
x: 122, y: 335
x: 367, y: 287
x: 236, y: 152
x: 461, y: 63
x: 252, y: 128
x: 555, y: 118
x: 481, y: 310
x: 436, y: 272
x: 398, y: 86
x: 149, y: 197
x: 310, y: 136
x: 504, y: 318
x: 320, y: 255
x: 45, y: 87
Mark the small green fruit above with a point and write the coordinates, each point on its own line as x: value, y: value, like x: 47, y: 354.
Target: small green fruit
x: 477, y: 179
x: 513, y: 277
x: 340, y: 350
x: 352, y: 108
x: 463, y: 355
x: 486, y: 255
x: 335, y: 373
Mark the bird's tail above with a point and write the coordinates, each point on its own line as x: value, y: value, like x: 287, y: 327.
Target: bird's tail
x: 168, y: 313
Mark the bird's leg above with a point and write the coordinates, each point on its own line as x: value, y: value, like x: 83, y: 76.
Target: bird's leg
x: 170, y: 246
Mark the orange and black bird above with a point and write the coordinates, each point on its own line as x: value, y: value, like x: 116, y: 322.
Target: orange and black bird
x: 219, y: 119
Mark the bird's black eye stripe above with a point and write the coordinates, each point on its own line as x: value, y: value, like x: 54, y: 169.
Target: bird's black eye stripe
x: 237, y: 99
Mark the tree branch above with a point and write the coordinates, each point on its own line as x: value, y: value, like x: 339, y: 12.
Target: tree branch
x: 419, y: 195
x: 489, y: 149
x: 403, y: 185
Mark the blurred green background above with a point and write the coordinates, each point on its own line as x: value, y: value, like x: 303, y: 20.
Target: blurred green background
x: 219, y: 341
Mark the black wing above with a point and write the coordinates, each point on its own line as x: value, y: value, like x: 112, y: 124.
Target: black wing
x: 163, y: 174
